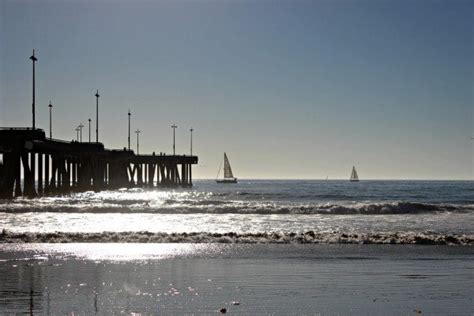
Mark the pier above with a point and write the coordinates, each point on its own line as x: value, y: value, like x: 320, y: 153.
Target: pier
x: 33, y: 165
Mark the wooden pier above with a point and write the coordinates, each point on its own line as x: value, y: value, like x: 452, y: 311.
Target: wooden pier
x: 32, y: 165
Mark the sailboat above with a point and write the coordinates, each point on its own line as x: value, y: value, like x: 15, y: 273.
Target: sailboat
x: 228, y: 175
x: 354, y: 176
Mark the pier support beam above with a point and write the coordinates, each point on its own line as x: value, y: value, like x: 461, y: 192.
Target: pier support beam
x: 46, y: 174
x: 190, y: 175
x: 28, y: 176
x: 40, y: 173
x: 183, y: 174
x: 10, y: 174
x: 33, y: 174
x: 52, y: 182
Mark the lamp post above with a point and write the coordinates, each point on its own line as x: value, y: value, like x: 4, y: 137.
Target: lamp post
x: 138, y: 140
x: 77, y: 133
x: 174, y: 126
x: 89, y: 129
x: 129, y: 114
x: 50, y: 120
x: 80, y: 131
x: 191, y: 130
x: 97, y: 116
x: 33, y: 59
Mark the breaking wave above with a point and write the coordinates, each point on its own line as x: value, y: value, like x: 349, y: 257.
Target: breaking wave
x: 233, y: 207
x: 309, y: 237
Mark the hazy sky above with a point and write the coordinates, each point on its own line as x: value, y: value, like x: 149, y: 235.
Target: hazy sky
x: 289, y: 89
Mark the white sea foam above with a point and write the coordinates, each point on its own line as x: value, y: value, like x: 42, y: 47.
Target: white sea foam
x: 232, y: 207
x: 309, y: 237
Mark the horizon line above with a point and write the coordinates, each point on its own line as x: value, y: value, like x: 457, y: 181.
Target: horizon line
x: 342, y: 179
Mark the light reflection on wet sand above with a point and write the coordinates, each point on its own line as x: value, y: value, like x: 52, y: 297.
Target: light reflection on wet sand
x: 244, y: 279
x: 110, y: 251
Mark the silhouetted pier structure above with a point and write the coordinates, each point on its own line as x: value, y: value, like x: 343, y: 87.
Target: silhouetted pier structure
x: 33, y: 165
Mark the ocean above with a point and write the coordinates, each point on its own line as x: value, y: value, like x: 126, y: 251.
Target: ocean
x: 293, y: 247
x: 253, y: 211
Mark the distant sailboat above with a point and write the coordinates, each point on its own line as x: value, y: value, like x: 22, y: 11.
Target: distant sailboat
x: 228, y: 175
x: 354, y: 176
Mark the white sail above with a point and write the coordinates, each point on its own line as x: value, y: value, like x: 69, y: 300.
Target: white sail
x: 228, y: 175
x: 354, y: 176
x: 227, y: 169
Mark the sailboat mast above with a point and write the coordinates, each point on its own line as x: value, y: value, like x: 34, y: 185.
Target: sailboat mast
x: 219, y: 170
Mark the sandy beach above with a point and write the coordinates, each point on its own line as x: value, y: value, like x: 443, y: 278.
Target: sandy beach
x: 196, y: 279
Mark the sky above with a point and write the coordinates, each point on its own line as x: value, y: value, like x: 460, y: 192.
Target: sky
x: 289, y: 89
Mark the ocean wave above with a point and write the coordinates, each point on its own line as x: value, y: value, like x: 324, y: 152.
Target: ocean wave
x: 235, y: 207
x: 309, y: 237
x: 289, y: 195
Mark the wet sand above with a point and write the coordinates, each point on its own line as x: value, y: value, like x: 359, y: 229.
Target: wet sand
x: 244, y: 279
